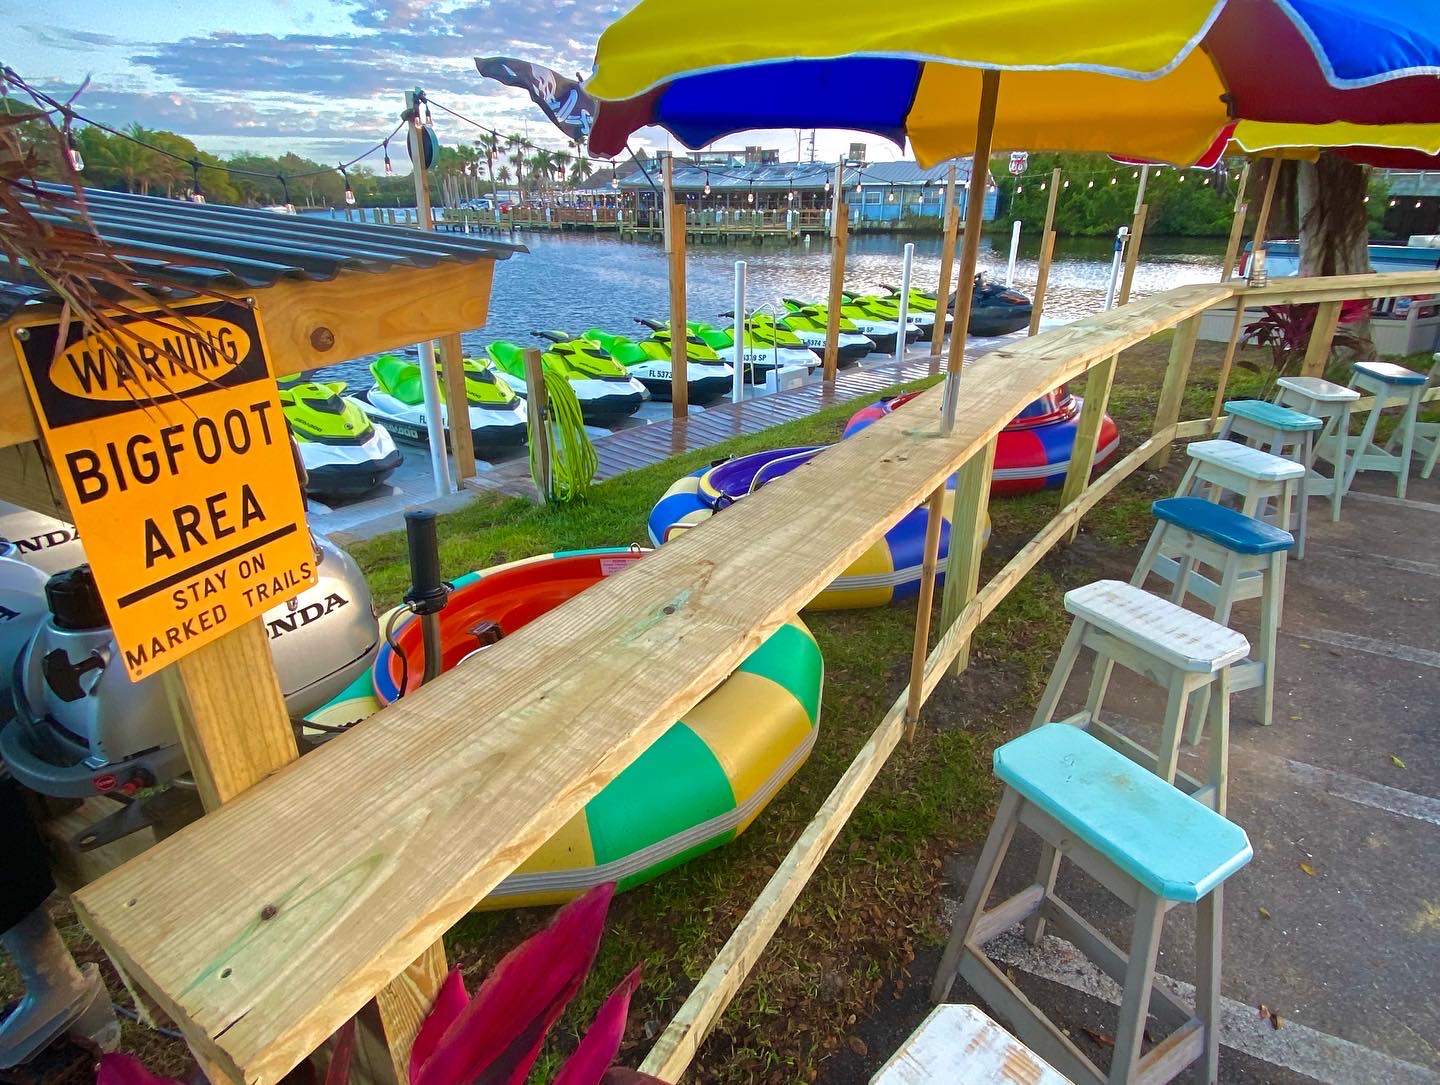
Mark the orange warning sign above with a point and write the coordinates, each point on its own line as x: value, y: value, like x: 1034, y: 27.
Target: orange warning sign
x: 176, y: 464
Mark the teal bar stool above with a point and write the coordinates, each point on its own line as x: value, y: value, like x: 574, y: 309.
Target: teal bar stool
x: 1392, y: 385
x: 1282, y: 432
x: 1332, y: 402
x: 1147, y: 843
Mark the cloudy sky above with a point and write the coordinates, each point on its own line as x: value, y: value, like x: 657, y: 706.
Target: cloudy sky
x: 324, y: 78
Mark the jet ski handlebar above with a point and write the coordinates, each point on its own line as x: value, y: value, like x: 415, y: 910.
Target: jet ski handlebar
x: 653, y: 325
x: 551, y: 336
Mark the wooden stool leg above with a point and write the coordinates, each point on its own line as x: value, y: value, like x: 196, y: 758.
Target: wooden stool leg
x: 1167, y: 753
x: 1306, y: 456
x: 1099, y: 683
x: 1224, y: 603
x: 1007, y: 817
x: 1148, y: 556
x: 1045, y: 874
x: 1218, y: 757
x: 1272, y: 601
x: 1337, y: 484
x: 1209, y: 917
x: 1407, y: 442
x: 1367, y: 435
x: 1139, y: 975
x: 1064, y: 664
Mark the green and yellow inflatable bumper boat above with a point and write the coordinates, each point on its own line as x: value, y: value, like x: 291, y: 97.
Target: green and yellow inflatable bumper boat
x: 697, y: 787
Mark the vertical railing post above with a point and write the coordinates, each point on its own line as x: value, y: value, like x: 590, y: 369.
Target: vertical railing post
x: 1237, y: 226
x: 839, y: 238
x: 969, y: 523
x: 537, y: 414
x: 1172, y: 392
x: 674, y: 216
x: 1322, y: 337
x: 1047, y: 252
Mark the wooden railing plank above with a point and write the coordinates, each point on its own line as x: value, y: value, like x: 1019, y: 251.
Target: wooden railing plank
x: 520, y: 744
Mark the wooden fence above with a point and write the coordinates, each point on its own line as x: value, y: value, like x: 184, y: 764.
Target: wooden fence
x: 264, y: 926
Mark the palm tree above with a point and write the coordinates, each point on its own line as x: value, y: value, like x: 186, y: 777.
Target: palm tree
x: 516, y: 144
x: 581, y: 170
x: 489, y: 146
x: 502, y: 175
x: 541, y: 168
x: 560, y: 165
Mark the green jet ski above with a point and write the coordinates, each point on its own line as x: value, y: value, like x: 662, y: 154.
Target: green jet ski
x: 882, y: 330
x: 345, y: 454
x: 768, y: 347
x: 606, y: 390
x: 707, y: 375
x: 496, y: 415
x: 887, y: 307
x: 809, y: 326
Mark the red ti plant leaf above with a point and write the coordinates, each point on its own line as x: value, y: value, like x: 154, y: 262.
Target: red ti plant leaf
x: 121, y: 1069
x: 598, y: 1047
x: 496, y: 1039
x: 338, y: 1072
x: 449, y: 1004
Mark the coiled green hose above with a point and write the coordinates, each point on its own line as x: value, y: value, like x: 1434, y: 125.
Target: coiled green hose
x: 573, y: 460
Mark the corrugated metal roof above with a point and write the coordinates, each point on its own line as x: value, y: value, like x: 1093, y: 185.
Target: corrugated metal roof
x: 910, y: 173
x: 210, y: 245
x: 1413, y: 182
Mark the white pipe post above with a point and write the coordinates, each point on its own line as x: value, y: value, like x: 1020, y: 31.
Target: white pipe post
x: 1014, y: 251
x: 737, y: 386
x: 429, y: 377
x: 1122, y: 235
x: 905, y: 303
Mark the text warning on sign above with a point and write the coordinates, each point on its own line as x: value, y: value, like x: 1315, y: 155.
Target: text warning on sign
x: 176, y: 463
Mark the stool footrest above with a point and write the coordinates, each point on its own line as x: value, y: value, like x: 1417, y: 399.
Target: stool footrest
x: 1002, y: 917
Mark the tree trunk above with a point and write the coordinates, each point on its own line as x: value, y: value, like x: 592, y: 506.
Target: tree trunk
x: 1334, y: 228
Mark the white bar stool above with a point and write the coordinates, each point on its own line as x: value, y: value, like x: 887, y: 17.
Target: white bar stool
x: 1331, y: 402
x: 1391, y: 385
x: 1180, y: 651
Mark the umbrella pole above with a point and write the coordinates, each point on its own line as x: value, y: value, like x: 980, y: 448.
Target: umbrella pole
x: 967, y: 524
x: 947, y: 263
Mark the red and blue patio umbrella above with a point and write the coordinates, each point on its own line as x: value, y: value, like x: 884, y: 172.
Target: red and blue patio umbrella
x: 1157, y: 80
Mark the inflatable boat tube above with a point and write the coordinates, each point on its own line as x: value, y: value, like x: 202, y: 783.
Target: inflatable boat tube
x: 1033, y: 451
x: 889, y: 570
x: 697, y: 787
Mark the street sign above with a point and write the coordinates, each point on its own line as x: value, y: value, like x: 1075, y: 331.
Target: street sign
x: 176, y: 464
x: 1018, y: 161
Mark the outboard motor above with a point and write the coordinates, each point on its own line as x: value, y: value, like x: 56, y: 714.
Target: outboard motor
x: 82, y: 728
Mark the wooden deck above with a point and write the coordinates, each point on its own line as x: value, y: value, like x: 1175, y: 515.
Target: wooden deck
x: 641, y: 446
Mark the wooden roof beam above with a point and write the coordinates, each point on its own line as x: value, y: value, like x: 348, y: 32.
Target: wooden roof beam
x: 309, y: 324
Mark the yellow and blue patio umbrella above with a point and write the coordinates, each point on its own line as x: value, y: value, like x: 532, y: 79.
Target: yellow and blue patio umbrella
x: 1185, y: 69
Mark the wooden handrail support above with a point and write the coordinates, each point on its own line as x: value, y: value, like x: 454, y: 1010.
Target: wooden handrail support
x: 261, y: 928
